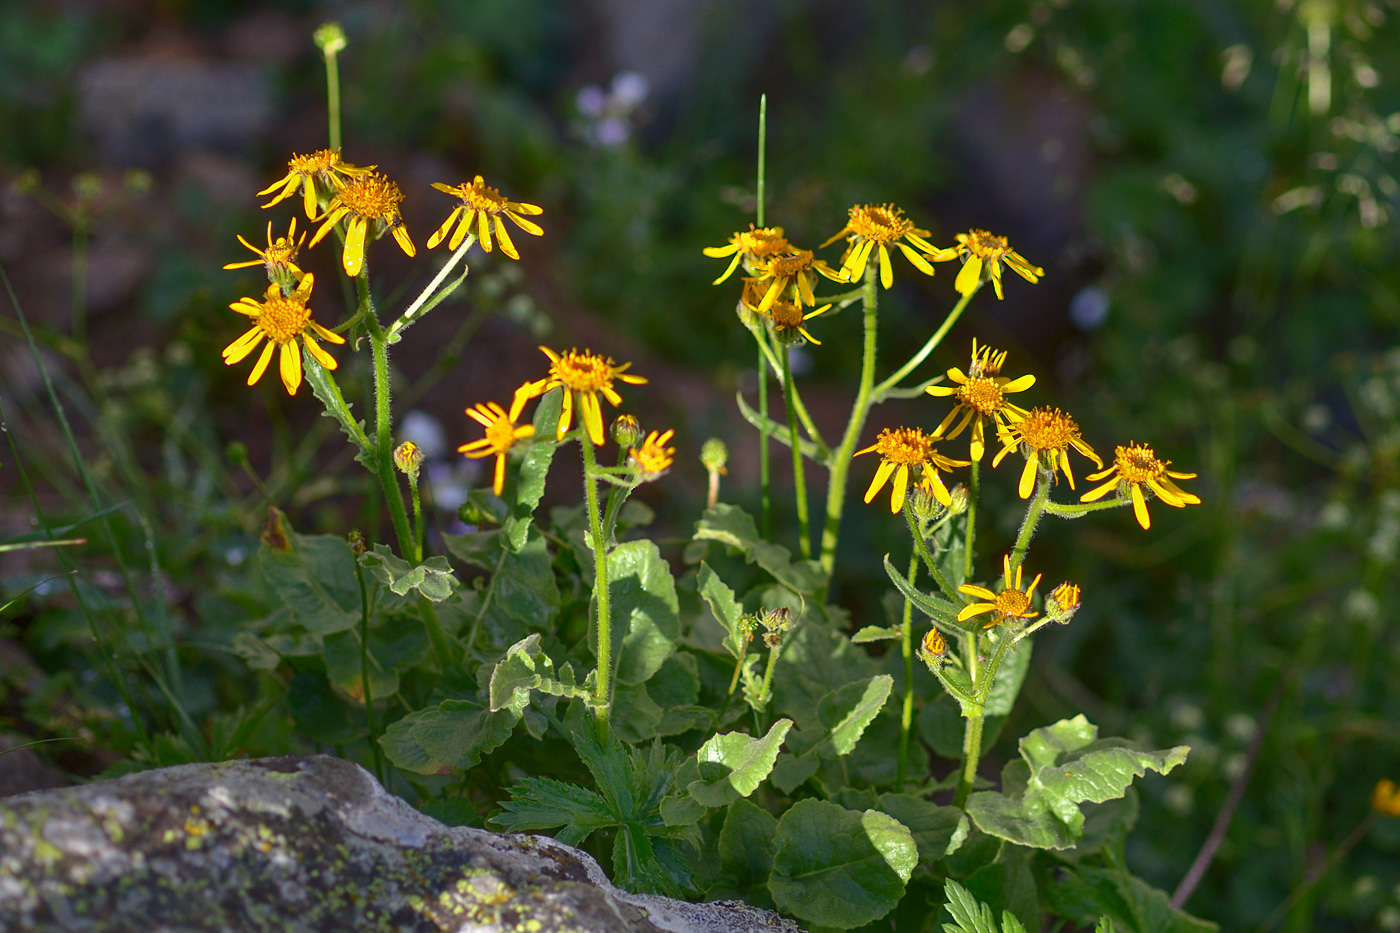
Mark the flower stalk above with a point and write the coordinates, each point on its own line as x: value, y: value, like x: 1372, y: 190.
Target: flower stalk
x: 603, y: 598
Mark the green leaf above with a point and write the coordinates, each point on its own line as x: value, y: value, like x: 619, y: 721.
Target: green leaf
x: 459, y: 732
x: 1124, y: 901
x: 932, y: 606
x: 746, y: 845
x: 734, y: 764
x: 317, y: 711
x: 255, y: 652
x: 525, y: 667
x: 635, y: 715
x: 477, y: 549
x: 816, y: 659
x: 645, y: 614
x: 1007, y: 881
x: 315, y: 579
x: 779, y: 432
x: 969, y: 914
x: 839, y: 868
x: 871, y: 633
x: 792, y: 771
x: 544, y: 803
x: 433, y: 578
x: 933, y: 827
x: 342, y: 656
x: 336, y: 408
x: 534, y: 469
x: 522, y: 595
x: 731, y: 525
x: 726, y: 609
x: 405, y: 752
x: 846, y: 711
x: 1064, y: 766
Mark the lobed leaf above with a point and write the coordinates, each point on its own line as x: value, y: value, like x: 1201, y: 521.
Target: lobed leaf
x: 731, y: 525
x: 734, y: 764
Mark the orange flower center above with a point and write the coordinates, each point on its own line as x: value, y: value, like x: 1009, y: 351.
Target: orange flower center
x: 584, y: 372
x: 905, y: 446
x: 984, y: 245
x: 373, y: 196
x: 283, y: 250
x: 282, y: 319
x: 762, y: 242
x: 500, y: 434
x: 981, y: 395
x: 1048, y: 429
x: 883, y: 223
x: 322, y: 160
x: 934, y: 642
x: 483, y: 197
x: 788, y: 266
x: 1137, y: 464
x: 653, y: 457
x: 1067, y: 596
x: 786, y: 315
x: 1012, y: 602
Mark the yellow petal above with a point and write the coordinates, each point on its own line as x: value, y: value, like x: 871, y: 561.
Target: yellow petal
x: 238, y: 350
x: 881, y: 475
x: 401, y: 237
x: 566, y: 414
x: 498, y: 482
x: 918, y: 261
x: 261, y: 366
x: 901, y: 485
x: 308, y: 197
x: 290, y: 365
x: 507, y: 246
x: 1028, y: 476
x: 1099, y: 492
x: 886, y: 270
x: 318, y: 352
x: 354, y: 255
x: 529, y: 226
x: 969, y: 276
x: 593, y: 417
x: 1140, y: 506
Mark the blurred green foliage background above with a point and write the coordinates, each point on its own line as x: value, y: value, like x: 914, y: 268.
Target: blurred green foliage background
x: 1210, y: 187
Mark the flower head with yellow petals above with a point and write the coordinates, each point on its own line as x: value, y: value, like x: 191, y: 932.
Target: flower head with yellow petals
x: 872, y: 227
x: 487, y: 208
x: 369, y: 206
x: 1012, y: 602
x: 791, y: 276
x: 1137, y: 466
x: 982, y: 254
x: 787, y: 318
x: 280, y: 256
x: 750, y: 246
x: 584, y: 376
x: 900, y: 450
x: 1047, y: 434
x: 653, y: 458
x: 502, y: 433
x: 316, y: 174
x: 280, y: 320
x: 981, y: 393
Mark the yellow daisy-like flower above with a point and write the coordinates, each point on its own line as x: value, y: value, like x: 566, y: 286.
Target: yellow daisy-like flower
x: 305, y: 171
x: 753, y: 244
x: 981, y: 393
x: 984, y: 252
x: 1011, y: 603
x: 372, y: 199
x: 788, y: 319
x: 791, y: 276
x: 501, y: 434
x: 1049, y: 434
x: 900, y: 450
x: 653, y: 458
x: 1066, y: 596
x: 485, y: 206
x: 880, y: 225
x: 280, y: 256
x: 280, y: 320
x: 1385, y: 799
x: 1138, y: 466
x: 584, y: 377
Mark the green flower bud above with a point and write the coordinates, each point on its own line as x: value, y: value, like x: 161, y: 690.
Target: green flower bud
x: 626, y: 431
x: 330, y: 39
x: 714, y: 454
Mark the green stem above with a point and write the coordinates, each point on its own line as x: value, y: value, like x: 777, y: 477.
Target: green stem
x: 601, y: 595
x: 775, y: 364
x: 333, y: 97
x: 417, y: 309
x: 972, y: 484
x: 764, y: 470
x: 383, y: 427
x: 417, y: 518
x: 906, y: 638
x: 921, y: 550
x: 799, y: 474
x: 1033, y: 512
x: 364, y: 678
x: 932, y: 343
x: 1080, y: 509
x: 972, y: 737
x: 733, y: 685
x: 841, y: 460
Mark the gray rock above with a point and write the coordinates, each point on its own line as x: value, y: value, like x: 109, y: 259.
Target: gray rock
x: 301, y: 844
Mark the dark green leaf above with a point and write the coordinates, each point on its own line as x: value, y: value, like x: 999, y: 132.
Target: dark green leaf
x: 635, y: 715
x: 543, y: 803
x: 1085, y: 895
x: 405, y: 752
x: 459, y: 732
x: 342, y: 657
x: 969, y: 914
x: 791, y: 771
x: 645, y: 618
x: 933, y: 827
x: 522, y: 595
x: 837, y: 867
x: 846, y: 711
x: 315, y: 579
x: 935, y: 607
x: 433, y: 578
x: 319, y: 713
x: 731, y: 525
x: 734, y: 764
x: 871, y: 633
x: 726, y: 609
x: 746, y: 846
x: 534, y: 469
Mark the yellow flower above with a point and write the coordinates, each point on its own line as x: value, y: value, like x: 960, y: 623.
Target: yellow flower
x: 1385, y: 799
x: 501, y: 433
x: 653, y: 458
x: 901, y: 449
x: 1011, y: 603
x: 983, y: 252
x: 304, y: 171
x: 1138, y: 466
x: 584, y: 376
x: 981, y: 393
x: 788, y: 319
x: 1049, y: 434
x: 280, y: 320
x: 934, y: 643
x: 372, y: 199
x: 485, y: 206
x: 749, y: 245
x: 792, y: 276
x: 883, y: 226
x: 280, y: 256
x: 1066, y: 597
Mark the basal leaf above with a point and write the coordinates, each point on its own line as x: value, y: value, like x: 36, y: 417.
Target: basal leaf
x: 726, y: 609
x: 839, y: 868
x: 459, y: 732
x: 734, y: 764
x: 315, y: 579
x: 846, y: 711
x: 521, y: 596
x: 645, y: 619
x: 544, y: 803
x: 342, y: 656
x: 1085, y: 895
x: 746, y: 846
x: 405, y: 752
x: 933, y: 827
x: 731, y: 525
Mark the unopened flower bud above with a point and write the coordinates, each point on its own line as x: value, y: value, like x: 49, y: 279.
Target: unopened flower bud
x: 356, y: 541
x: 329, y: 38
x: 933, y: 648
x: 924, y: 503
x: 408, y: 458
x: 747, y: 317
x: 237, y: 453
x: 87, y: 185
x: 1063, y: 603
x: 959, y: 495
x: 714, y: 454
x: 27, y: 181
x: 626, y: 431
x: 138, y: 181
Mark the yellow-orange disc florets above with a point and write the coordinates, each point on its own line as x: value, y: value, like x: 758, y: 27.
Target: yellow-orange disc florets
x: 982, y: 395
x: 793, y: 264
x: 1047, y: 429
x: 1137, y: 463
x: 985, y: 245
x: 761, y: 242
x: 374, y: 197
x: 1012, y: 603
x: 480, y: 196
x: 883, y: 223
x: 283, y: 319
x: 313, y: 163
x: 586, y: 371
x: 904, y: 446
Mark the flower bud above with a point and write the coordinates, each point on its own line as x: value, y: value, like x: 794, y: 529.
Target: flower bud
x: 1063, y: 603
x: 933, y: 649
x: 356, y: 540
x: 959, y: 495
x: 1385, y: 799
x: 626, y: 431
x: 408, y: 458
x: 329, y: 38
x: 26, y: 182
x: 714, y: 455
x: 237, y: 453
x: 924, y: 503
x: 87, y: 185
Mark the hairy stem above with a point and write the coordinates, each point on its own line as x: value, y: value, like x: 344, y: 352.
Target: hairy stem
x: 601, y: 595
x: 799, y: 474
x: 906, y: 643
